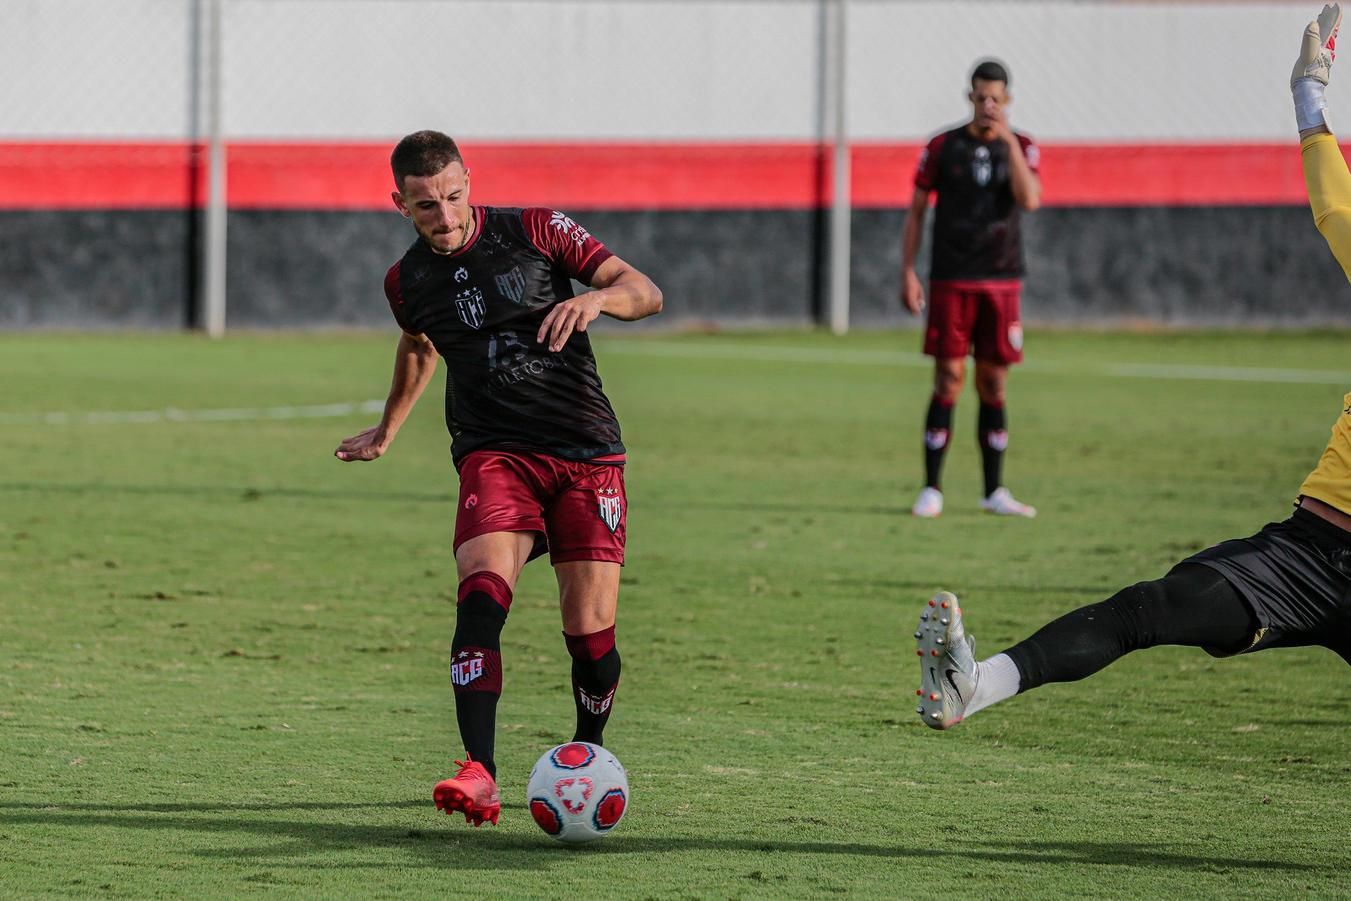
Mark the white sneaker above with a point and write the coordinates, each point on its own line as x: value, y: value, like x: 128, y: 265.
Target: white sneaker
x: 929, y: 503
x: 947, y: 666
x: 1004, y: 504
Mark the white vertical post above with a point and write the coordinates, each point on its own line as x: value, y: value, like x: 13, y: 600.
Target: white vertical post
x: 841, y: 203
x: 212, y: 317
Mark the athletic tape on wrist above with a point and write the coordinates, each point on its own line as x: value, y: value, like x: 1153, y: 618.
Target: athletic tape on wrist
x: 1309, y: 102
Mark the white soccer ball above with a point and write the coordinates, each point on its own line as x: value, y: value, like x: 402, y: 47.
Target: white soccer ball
x: 578, y: 792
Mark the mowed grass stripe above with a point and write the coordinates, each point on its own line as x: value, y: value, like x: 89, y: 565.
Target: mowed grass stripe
x: 223, y: 654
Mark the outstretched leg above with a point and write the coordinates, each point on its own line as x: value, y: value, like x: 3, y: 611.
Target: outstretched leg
x: 1192, y: 605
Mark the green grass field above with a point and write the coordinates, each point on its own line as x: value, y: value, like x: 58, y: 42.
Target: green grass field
x: 223, y: 654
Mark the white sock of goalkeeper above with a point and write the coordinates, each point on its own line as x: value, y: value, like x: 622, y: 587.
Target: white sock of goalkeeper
x: 996, y: 680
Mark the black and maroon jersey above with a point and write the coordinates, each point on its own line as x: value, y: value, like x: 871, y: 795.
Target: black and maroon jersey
x: 482, y: 307
x: 976, y: 233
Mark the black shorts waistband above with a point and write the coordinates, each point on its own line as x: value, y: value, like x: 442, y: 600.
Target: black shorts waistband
x: 1322, y: 531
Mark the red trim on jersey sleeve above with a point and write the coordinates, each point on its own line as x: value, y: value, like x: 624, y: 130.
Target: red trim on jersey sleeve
x: 394, y: 294
x: 926, y: 170
x: 1031, y: 151
x: 564, y: 243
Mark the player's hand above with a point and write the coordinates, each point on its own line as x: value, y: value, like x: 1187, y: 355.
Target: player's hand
x: 1318, y: 47
x: 363, y: 446
x: 999, y: 124
x: 567, y: 317
x: 912, y: 292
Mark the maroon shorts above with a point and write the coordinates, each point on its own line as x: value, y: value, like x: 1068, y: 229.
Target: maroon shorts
x: 983, y: 313
x: 576, y: 508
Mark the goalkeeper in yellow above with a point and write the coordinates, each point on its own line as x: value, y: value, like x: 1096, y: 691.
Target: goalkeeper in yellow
x: 1287, y: 586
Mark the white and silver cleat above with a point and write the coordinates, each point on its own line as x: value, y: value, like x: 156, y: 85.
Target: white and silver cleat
x: 1002, y: 503
x: 929, y: 504
x: 947, y: 664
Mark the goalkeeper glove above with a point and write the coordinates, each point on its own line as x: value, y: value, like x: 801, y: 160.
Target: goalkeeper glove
x: 1317, y: 50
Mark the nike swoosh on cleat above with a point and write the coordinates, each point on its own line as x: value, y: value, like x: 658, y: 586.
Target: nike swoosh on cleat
x: 955, y: 690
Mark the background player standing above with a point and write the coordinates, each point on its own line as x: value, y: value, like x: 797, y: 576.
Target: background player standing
x: 534, y: 438
x: 1287, y: 586
x: 984, y: 174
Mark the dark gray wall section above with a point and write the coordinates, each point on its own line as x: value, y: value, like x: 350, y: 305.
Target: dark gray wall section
x: 1178, y: 266
x: 300, y: 268
x: 94, y: 269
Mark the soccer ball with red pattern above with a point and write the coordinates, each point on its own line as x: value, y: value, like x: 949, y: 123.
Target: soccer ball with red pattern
x: 578, y: 792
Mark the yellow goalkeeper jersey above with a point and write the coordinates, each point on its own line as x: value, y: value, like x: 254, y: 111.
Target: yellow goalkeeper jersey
x: 1329, y: 184
x: 1330, y: 482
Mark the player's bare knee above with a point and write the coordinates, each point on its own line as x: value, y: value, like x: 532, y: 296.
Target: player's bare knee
x: 948, y: 382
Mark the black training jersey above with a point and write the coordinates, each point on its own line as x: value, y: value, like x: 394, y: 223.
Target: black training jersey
x: 976, y: 233
x: 482, y: 307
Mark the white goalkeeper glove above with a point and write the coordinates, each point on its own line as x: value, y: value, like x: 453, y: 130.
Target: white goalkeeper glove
x: 1317, y: 50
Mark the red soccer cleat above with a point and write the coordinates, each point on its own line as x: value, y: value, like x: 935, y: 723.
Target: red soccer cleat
x: 473, y: 792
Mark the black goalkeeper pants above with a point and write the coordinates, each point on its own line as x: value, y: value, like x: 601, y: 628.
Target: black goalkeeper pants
x: 1192, y: 605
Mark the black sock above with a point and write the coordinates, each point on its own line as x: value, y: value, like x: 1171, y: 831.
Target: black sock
x: 476, y: 662
x: 992, y: 430
x: 595, y: 676
x: 1193, y: 605
x: 937, y: 429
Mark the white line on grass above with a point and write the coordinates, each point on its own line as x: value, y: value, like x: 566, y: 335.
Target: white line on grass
x: 707, y: 351
x: 1164, y: 371
x: 173, y: 414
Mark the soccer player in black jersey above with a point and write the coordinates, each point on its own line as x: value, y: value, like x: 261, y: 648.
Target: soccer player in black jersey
x: 534, y: 439
x: 1289, y: 585
x: 984, y: 174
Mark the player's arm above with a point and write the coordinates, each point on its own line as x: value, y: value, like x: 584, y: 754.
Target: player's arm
x: 617, y: 290
x: 1329, y: 186
x: 1023, y: 180
x: 414, y: 365
x: 912, y: 289
x: 1325, y: 172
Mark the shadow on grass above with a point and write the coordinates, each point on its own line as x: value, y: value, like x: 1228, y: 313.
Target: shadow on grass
x: 442, y: 844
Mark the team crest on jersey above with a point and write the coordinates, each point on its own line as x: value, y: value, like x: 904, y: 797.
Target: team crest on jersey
x: 471, y: 307
x: 981, y: 166
x: 511, y: 285
x: 567, y: 226
x: 611, y: 507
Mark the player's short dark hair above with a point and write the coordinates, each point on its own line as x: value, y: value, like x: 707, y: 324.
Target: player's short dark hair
x: 989, y: 70
x: 423, y: 153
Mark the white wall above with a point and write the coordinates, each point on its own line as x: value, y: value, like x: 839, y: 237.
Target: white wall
x: 95, y: 68
x: 649, y: 69
x: 1085, y: 71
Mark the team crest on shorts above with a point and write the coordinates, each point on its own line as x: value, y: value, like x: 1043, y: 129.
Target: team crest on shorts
x: 610, y: 506
x: 471, y: 307
x: 1016, y: 336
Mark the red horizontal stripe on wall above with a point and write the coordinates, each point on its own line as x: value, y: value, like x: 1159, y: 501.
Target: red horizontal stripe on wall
x: 623, y: 176
x: 100, y: 175
x: 1116, y: 174
x: 571, y: 176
